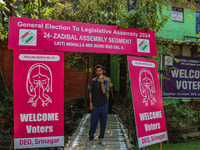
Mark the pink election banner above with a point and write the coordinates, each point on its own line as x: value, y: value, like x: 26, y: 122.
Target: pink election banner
x: 147, y: 100
x: 40, y: 34
x: 38, y: 99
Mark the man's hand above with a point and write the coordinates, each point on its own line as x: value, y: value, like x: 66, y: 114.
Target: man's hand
x: 100, y: 78
x: 91, y: 106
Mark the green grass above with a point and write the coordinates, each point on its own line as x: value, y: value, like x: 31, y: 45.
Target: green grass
x: 188, y: 145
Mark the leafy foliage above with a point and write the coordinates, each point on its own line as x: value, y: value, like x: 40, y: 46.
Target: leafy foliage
x: 4, y: 32
x: 144, y: 16
x: 6, y: 109
x: 60, y: 11
x: 182, y: 114
x: 180, y: 118
x: 114, y: 12
x: 29, y: 10
x: 3, y: 21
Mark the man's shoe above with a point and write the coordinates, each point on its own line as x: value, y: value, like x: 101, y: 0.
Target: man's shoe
x: 89, y: 143
x: 102, y: 142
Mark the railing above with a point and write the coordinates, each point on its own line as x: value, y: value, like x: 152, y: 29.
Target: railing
x: 192, y: 37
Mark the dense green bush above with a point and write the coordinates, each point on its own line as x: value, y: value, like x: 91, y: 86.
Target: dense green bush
x: 6, y: 109
x: 182, y: 114
x: 179, y: 119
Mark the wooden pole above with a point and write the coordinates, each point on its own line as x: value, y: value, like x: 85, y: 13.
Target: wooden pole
x: 167, y: 141
x: 161, y: 146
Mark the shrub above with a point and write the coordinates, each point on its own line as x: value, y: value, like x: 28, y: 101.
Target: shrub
x: 178, y: 117
x: 6, y: 109
x: 182, y: 114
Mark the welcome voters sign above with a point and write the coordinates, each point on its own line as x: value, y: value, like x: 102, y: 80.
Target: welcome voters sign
x: 38, y: 99
x: 40, y: 34
x: 147, y: 100
x: 183, y: 77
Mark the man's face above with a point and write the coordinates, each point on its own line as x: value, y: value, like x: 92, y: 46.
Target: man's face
x: 99, y: 71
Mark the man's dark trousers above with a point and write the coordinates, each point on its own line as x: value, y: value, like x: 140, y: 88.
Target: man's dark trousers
x: 98, y: 112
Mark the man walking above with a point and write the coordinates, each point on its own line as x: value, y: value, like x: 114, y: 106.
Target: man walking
x: 98, y: 105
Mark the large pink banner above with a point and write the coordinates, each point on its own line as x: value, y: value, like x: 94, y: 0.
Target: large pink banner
x: 79, y: 37
x: 38, y: 99
x: 147, y: 100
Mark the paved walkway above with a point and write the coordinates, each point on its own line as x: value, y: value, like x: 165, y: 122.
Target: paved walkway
x: 115, y: 137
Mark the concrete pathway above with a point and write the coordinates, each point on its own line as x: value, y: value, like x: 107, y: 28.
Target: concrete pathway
x: 115, y: 137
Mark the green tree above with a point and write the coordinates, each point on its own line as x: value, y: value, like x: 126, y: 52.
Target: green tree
x: 107, y: 12
x: 3, y: 21
x: 28, y: 10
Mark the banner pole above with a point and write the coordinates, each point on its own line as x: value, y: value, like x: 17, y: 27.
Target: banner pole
x: 160, y: 146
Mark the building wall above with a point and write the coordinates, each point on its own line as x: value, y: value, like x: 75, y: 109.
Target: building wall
x: 177, y: 30
x: 75, y: 84
x: 6, y: 63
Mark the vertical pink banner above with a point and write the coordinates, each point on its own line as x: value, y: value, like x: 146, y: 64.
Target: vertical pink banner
x: 147, y: 100
x: 38, y: 99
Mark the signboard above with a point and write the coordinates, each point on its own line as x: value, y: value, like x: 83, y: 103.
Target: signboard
x: 147, y: 100
x: 39, y: 34
x: 38, y: 99
x: 183, y: 78
x: 177, y: 14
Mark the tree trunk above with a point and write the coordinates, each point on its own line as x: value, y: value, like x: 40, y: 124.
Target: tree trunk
x: 125, y: 99
x: 86, y: 85
x: 39, y: 9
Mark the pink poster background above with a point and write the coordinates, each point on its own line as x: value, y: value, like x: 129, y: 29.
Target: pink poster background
x: 39, y: 34
x: 46, y: 66
x: 147, y: 100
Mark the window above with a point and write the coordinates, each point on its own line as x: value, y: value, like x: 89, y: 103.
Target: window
x: 197, y: 22
x: 177, y: 14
